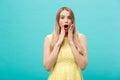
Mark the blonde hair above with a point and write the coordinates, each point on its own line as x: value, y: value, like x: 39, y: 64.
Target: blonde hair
x: 55, y: 35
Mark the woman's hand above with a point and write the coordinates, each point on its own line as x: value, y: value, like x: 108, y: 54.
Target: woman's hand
x: 61, y: 36
x: 70, y: 34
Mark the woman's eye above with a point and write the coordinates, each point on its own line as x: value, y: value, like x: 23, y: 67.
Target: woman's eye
x: 62, y: 17
x: 69, y: 17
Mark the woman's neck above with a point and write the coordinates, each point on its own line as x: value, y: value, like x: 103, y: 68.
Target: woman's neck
x: 66, y: 34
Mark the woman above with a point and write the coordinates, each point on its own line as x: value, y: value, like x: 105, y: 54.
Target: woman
x: 65, y: 51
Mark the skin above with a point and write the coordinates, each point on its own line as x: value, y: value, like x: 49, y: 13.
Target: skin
x: 50, y: 57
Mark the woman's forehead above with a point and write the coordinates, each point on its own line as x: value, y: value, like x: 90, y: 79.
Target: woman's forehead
x: 65, y: 12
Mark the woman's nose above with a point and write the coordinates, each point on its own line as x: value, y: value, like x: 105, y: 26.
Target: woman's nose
x: 66, y: 20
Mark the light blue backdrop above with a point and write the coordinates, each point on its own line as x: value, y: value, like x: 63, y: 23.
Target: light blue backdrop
x: 25, y: 23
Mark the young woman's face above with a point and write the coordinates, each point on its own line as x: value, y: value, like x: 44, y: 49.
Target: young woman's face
x: 65, y: 20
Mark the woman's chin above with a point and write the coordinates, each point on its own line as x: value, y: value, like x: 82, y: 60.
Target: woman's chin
x: 66, y: 31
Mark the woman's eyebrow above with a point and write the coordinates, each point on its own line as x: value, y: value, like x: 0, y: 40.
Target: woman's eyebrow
x: 61, y: 15
x: 69, y: 16
x: 64, y: 15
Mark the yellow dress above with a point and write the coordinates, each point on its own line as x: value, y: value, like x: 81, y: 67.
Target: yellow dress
x: 65, y: 67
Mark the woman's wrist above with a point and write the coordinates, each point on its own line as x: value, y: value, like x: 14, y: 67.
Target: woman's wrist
x: 71, y: 42
x: 58, y: 44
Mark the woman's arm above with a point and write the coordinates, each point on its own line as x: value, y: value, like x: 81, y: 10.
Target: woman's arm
x: 81, y: 59
x: 50, y: 57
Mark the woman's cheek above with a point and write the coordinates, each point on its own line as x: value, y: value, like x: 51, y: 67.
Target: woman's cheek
x: 61, y: 25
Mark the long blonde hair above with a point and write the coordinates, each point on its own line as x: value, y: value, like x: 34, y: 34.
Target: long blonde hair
x: 57, y: 29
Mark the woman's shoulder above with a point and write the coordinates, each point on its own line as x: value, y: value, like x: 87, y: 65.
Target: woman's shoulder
x: 81, y: 35
x: 49, y: 37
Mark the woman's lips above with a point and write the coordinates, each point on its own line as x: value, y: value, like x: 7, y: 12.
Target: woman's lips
x: 65, y: 27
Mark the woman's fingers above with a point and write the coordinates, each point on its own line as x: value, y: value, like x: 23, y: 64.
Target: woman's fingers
x: 71, y: 28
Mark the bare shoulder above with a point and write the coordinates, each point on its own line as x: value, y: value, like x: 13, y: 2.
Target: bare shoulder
x: 48, y: 39
x: 82, y: 39
x: 82, y: 36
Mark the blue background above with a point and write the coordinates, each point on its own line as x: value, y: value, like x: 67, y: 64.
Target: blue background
x: 25, y: 23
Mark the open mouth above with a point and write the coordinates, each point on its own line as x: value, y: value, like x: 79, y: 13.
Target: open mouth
x: 65, y: 26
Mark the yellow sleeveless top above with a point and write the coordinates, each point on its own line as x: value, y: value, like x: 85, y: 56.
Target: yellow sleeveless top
x: 65, y: 67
